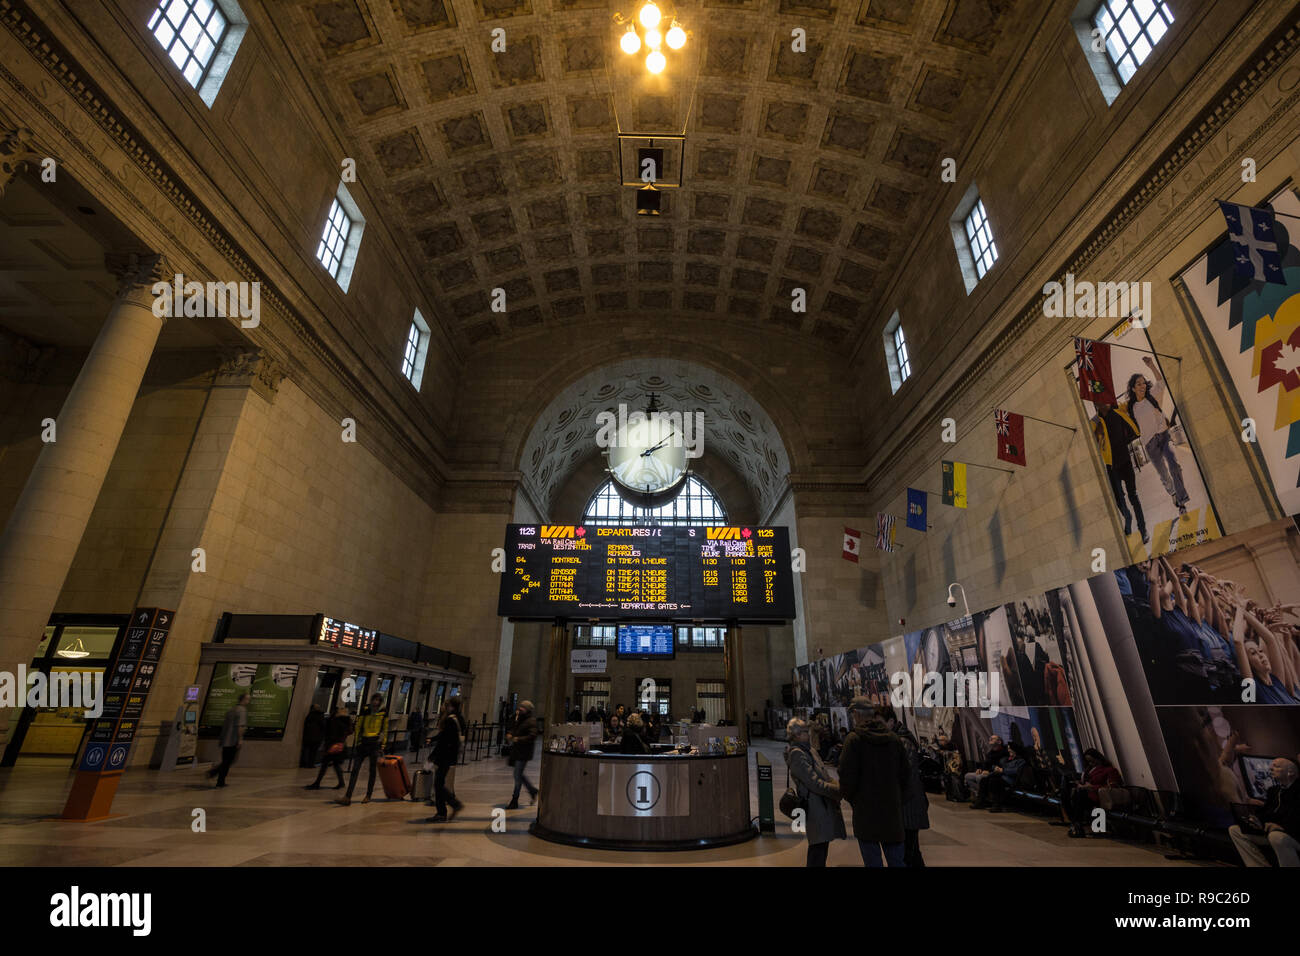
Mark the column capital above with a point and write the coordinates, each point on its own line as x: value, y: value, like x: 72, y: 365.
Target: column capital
x: 15, y: 152
x: 136, y: 274
x: 251, y: 368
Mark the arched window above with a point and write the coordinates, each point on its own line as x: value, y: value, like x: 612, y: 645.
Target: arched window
x: 695, y: 504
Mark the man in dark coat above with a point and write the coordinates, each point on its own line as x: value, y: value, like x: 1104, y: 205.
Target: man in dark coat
x: 313, y: 731
x: 521, y: 736
x: 446, y: 751
x: 916, y: 805
x: 874, y: 772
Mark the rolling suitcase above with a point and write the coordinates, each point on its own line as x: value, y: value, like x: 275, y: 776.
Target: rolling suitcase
x: 392, y: 774
x: 422, y: 785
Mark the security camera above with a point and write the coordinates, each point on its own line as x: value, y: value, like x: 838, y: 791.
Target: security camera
x: 952, y: 601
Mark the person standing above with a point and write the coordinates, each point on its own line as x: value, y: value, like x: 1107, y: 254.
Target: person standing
x: 916, y: 805
x: 232, y: 735
x: 313, y: 730
x: 1143, y: 407
x: 874, y: 772
x: 372, y: 732
x: 815, y: 787
x: 337, y: 730
x: 446, y: 751
x: 415, y: 732
x: 1114, y: 430
x: 521, y: 736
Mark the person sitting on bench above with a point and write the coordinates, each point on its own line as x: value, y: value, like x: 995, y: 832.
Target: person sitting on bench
x: 1012, y: 775
x: 1280, y: 814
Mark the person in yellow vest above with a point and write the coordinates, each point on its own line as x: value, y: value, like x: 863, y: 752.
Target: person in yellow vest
x: 1113, y: 428
x: 372, y: 732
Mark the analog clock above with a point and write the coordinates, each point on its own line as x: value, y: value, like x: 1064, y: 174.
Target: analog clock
x: 652, y: 461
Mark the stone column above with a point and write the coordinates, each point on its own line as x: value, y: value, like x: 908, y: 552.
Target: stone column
x: 45, y: 529
x: 734, y: 664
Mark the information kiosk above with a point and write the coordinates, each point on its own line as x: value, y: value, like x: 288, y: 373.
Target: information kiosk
x: 647, y: 580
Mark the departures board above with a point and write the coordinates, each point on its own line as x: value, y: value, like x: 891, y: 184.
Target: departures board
x: 586, y: 572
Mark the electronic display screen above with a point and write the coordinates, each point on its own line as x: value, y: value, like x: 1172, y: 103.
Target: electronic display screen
x: 645, y: 641
x: 596, y: 572
x: 350, y: 637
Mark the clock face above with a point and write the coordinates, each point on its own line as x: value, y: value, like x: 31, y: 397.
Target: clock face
x: 653, y: 459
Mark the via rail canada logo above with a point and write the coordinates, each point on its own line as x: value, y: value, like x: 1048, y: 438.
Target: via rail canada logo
x: 643, y: 791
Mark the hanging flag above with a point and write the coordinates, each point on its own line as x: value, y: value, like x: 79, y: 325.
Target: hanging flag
x: 1096, y: 384
x: 1254, y: 244
x: 916, y: 501
x: 1011, y: 436
x: 954, y: 483
x: 852, y: 544
x: 884, y: 532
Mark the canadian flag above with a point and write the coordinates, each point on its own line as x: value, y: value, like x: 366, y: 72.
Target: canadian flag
x: 852, y: 544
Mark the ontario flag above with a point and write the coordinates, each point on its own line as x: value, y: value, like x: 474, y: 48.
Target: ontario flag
x: 852, y: 544
x: 1096, y: 384
x: 1011, y: 436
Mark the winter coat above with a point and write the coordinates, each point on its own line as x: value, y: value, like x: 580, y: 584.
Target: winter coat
x: 916, y: 805
x: 874, y: 772
x: 337, y: 730
x: 825, y: 820
x: 446, y: 743
x: 313, y: 730
x: 524, y: 732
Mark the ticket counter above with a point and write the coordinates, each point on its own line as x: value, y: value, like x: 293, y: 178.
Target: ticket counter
x: 644, y: 802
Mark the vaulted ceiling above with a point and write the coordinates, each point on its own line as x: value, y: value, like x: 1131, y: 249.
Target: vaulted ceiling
x: 800, y: 169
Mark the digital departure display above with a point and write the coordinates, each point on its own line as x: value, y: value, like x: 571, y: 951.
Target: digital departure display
x: 585, y: 572
x: 645, y: 640
x: 347, y: 636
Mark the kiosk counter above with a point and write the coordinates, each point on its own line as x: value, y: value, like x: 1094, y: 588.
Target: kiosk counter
x: 661, y: 801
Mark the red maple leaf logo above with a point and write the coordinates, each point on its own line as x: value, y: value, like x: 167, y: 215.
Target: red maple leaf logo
x: 745, y: 532
x: 580, y: 532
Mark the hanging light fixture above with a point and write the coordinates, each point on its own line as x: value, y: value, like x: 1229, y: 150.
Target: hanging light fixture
x: 77, y: 649
x: 651, y: 36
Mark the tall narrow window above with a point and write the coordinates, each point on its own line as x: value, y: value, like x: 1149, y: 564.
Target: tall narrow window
x: 1130, y: 30
x: 200, y: 37
x: 896, y: 357
x: 417, y: 348
x: 337, y: 250
x: 980, y: 236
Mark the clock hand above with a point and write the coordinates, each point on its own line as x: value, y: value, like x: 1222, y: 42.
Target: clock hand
x: 651, y: 451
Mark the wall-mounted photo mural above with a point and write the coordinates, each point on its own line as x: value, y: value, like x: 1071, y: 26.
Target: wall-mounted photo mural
x: 1185, y: 671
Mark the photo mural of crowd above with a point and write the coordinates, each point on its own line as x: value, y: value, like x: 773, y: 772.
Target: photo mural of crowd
x: 1205, y: 647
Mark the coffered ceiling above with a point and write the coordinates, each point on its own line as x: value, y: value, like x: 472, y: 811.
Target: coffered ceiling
x: 800, y: 169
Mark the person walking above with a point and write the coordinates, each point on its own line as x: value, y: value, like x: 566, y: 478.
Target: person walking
x: 916, y: 805
x: 232, y: 736
x: 313, y: 731
x: 874, y: 772
x: 372, y: 732
x: 1143, y: 406
x: 446, y: 751
x: 817, y: 789
x: 337, y: 730
x: 523, y: 731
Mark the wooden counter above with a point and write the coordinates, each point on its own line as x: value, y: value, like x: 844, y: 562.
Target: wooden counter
x: 644, y: 802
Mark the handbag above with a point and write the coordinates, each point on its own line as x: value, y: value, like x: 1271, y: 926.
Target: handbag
x: 790, y: 800
x: 335, y: 749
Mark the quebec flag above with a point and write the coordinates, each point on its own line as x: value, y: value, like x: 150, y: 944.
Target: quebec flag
x: 1254, y: 246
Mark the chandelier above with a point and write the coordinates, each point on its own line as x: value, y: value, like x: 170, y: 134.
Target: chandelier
x: 651, y: 37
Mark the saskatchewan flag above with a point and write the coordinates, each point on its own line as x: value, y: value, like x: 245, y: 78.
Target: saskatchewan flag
x: 954, y: 483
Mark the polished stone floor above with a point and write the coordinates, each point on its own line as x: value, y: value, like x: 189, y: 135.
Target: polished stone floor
x: 265, y: 818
